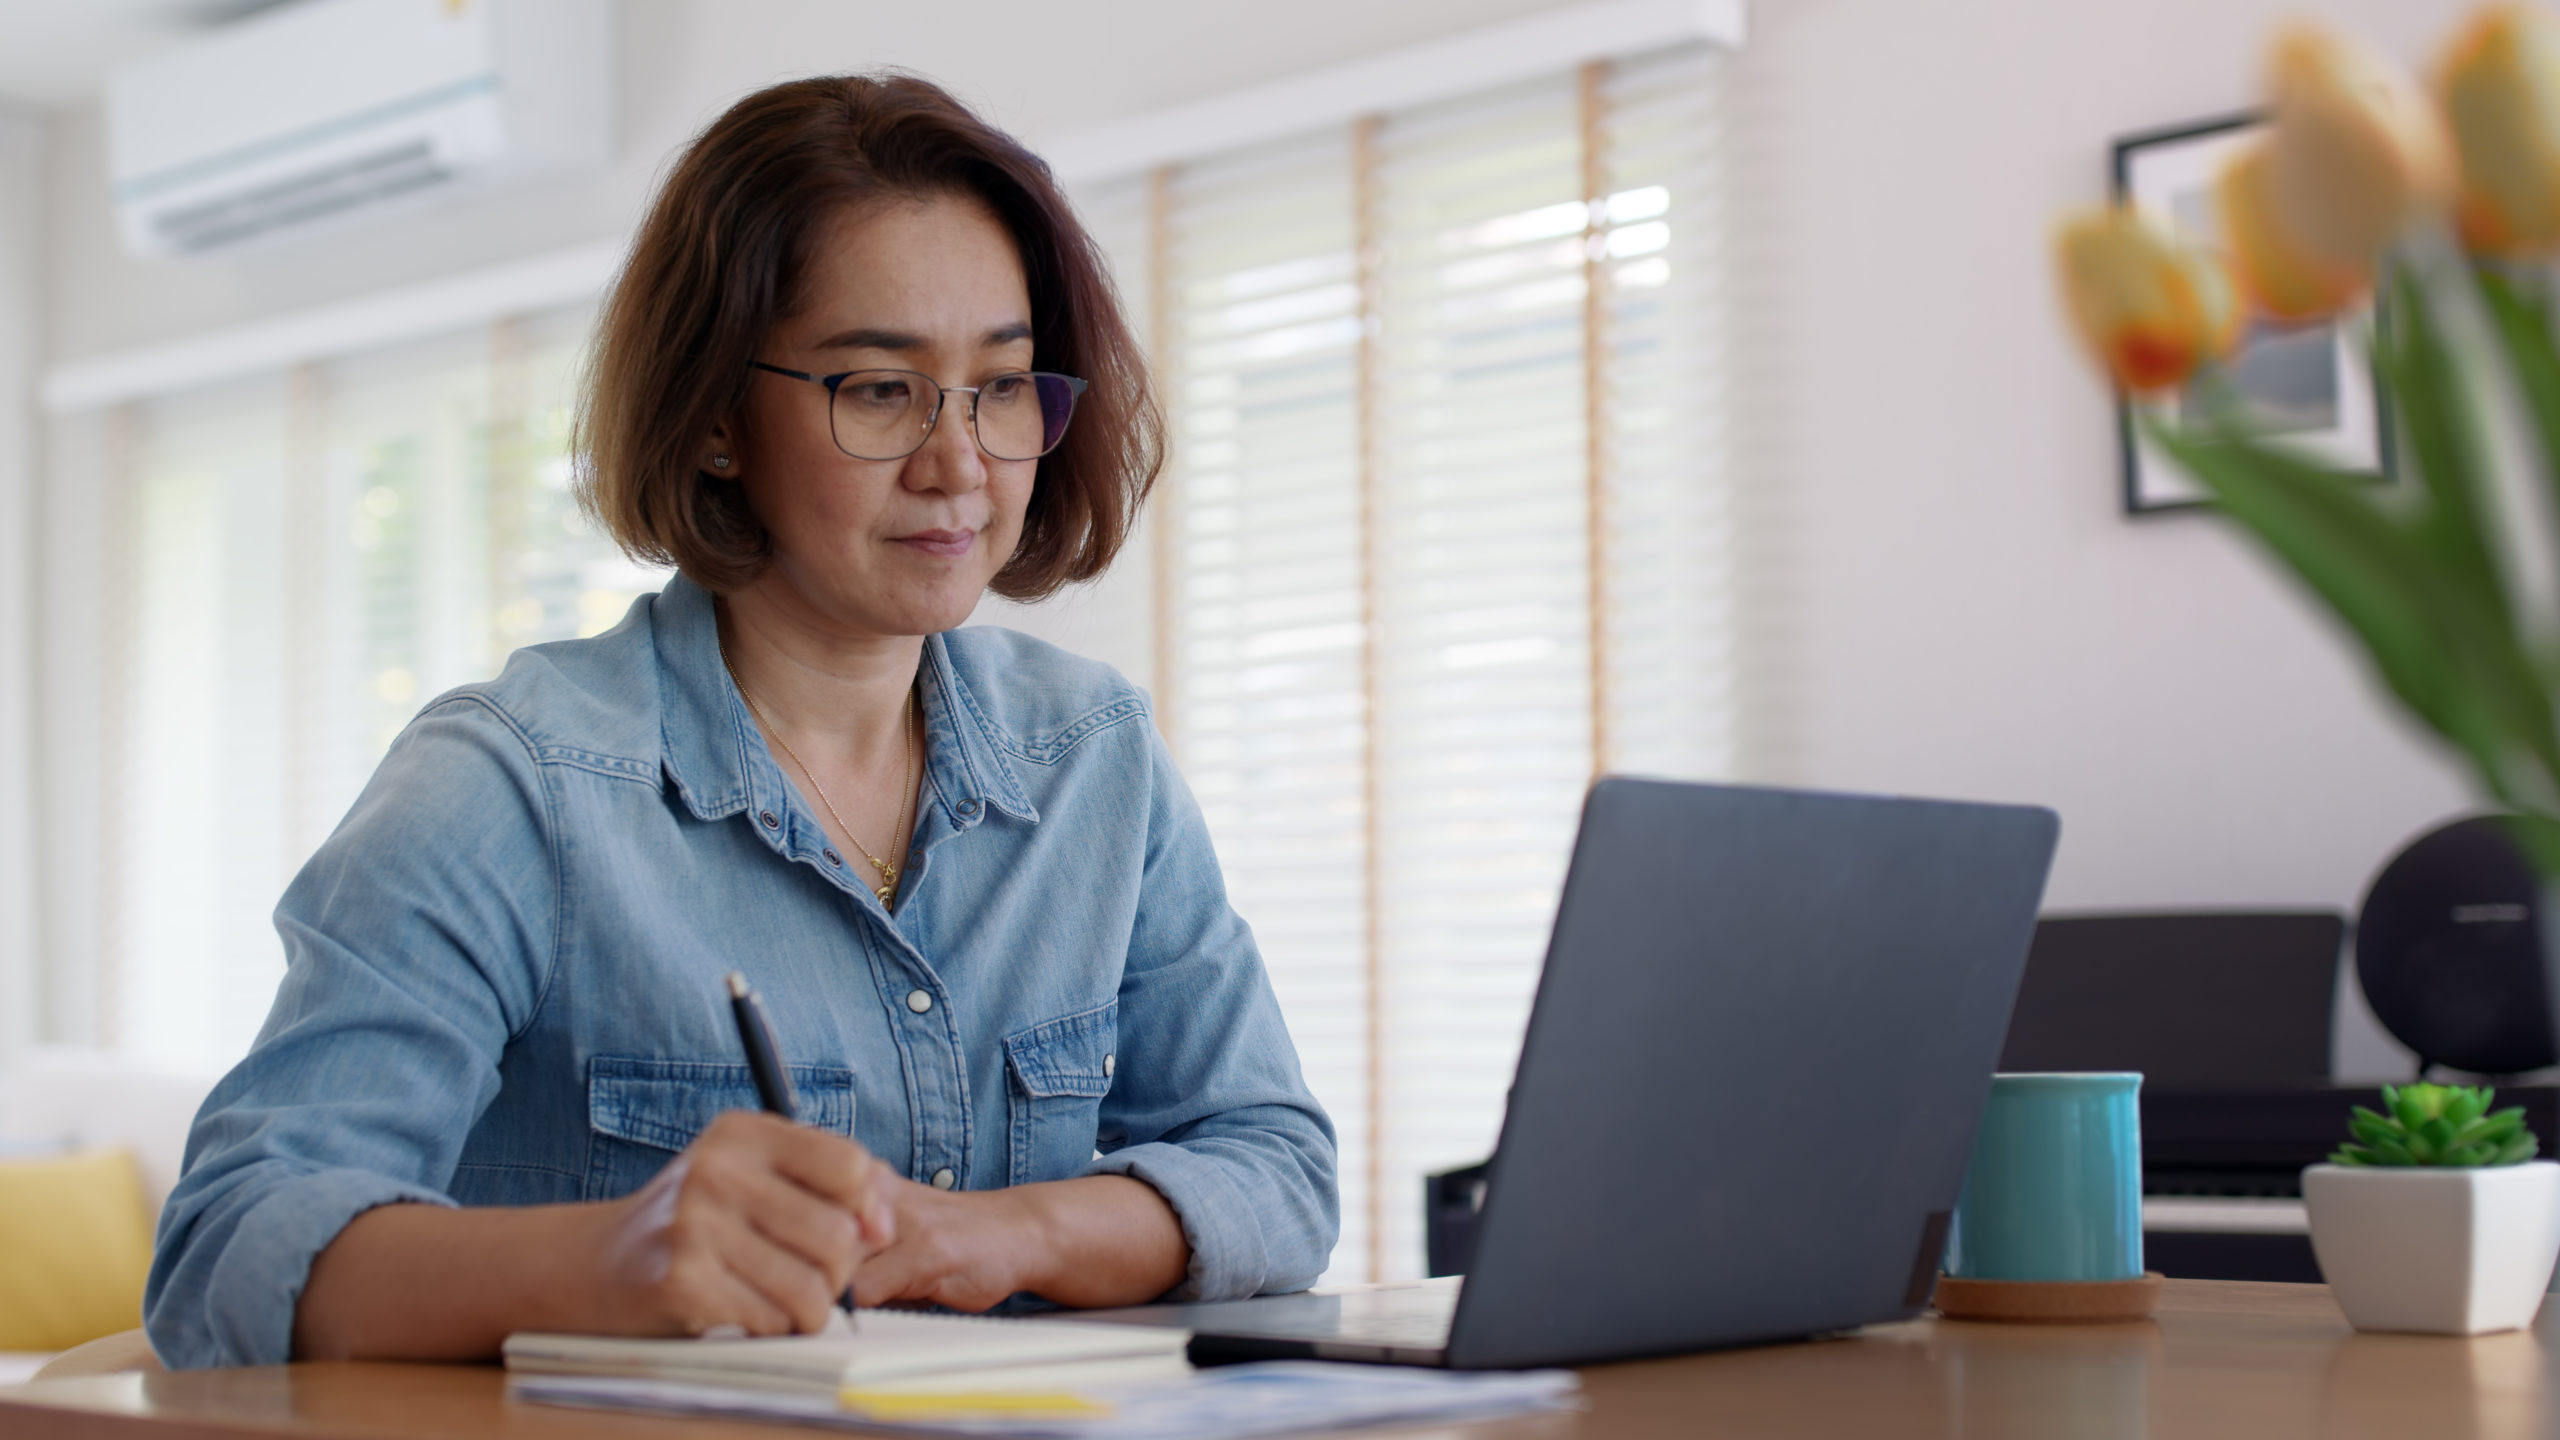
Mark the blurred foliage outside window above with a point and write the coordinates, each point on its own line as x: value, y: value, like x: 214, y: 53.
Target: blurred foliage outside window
x: 310, y: 559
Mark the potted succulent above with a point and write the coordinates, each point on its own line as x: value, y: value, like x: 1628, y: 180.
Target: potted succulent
x: 2436, y: 1218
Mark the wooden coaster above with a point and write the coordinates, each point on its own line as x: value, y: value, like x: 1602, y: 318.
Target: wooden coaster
x: 2049, y: 1302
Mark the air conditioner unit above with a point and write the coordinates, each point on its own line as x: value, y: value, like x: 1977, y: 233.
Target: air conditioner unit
x: 332, y: 106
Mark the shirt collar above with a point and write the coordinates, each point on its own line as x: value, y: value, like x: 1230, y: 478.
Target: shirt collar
x: 718, y: 762
x: 965, y: 747
x: 705, y: 729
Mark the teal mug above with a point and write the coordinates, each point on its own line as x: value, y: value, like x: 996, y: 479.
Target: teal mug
x: 2055, y: 1188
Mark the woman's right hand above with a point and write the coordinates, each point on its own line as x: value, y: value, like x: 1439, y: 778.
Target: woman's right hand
x: 760, y: 1224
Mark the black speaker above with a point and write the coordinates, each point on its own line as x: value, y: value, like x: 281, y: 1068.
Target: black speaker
x: 2449, y: 951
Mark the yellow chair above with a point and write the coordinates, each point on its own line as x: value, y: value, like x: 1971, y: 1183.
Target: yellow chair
x: 75, y: 1247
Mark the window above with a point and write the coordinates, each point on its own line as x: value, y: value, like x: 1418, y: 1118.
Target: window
x: 1444, y: 536
x: 312, y: 558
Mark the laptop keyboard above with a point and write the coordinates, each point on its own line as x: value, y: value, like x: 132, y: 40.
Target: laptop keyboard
x: 1409, y: 1315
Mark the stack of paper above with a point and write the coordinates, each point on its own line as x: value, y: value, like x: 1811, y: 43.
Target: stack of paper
x: 1271, y: 1398
x: 1008, y: 1379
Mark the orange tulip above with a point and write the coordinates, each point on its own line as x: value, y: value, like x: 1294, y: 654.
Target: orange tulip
x: 2276, y: 272
x: 2357, y: 151
x: 2150, y: 307
x: 2501, y: 86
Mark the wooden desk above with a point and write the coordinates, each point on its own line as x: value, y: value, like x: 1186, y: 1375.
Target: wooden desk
x: 2223, y: 1359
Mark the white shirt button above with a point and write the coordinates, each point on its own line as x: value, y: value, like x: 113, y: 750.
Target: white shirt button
x: 1106, y: 1066
x: 943, y: 1179
x: 918, y: 1001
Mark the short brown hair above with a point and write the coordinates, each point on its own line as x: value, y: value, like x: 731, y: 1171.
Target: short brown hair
x: 719, y: 260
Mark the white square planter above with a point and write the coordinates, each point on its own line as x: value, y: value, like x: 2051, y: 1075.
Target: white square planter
x: 2444, y: 1252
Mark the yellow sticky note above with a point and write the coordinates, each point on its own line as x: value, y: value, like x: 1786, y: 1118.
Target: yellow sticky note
x: 905, y: 1405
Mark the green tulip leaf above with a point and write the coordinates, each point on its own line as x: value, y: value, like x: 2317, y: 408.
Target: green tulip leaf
x: 2447, y: 657
x: 2523, y: 323
x: 2424, y: 377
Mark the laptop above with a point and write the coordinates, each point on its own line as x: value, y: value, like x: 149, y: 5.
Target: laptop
x: 1762, y: 1040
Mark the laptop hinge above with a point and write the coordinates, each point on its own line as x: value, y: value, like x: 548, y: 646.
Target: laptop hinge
x: 1924, y: 1266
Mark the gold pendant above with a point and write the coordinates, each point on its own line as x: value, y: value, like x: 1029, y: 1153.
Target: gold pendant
x: 885, y: 892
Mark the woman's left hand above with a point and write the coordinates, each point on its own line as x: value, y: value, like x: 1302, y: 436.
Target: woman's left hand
x: 1100, y: 1240
x: 957, y: 1248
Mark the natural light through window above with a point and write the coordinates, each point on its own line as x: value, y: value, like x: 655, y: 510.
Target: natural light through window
x: 1401, y: 407
x: 316, y: 556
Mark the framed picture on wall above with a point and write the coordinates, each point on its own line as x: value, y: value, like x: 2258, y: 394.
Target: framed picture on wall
x: 2309, y: 384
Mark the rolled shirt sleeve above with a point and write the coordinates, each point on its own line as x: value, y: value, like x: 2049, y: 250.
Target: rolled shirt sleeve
x: 416, y: 943
x: 1210, y: 1107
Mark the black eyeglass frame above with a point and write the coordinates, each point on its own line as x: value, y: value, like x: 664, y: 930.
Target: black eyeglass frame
x: 941, y: 393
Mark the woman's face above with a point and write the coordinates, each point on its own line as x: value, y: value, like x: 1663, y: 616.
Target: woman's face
x: 891, y: 547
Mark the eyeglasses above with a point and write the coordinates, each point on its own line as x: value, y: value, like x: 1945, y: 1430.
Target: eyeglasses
x: 889, y: 414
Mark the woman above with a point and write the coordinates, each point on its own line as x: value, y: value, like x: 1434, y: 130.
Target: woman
x: 862, y: 366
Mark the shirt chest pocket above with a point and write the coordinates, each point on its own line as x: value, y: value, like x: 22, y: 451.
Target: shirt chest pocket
x: 641, y: 1112
x: 1060, y: 1073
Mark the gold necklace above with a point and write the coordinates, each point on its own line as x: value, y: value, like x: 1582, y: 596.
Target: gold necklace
x: 888, y: 886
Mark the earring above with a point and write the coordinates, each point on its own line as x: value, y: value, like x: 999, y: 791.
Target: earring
x: 719, y: 462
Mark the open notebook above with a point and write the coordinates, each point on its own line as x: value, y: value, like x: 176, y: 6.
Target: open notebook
x: 878, y: 1347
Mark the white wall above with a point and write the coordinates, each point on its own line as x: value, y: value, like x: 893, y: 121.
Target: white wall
x: 1945, y: 598
x: 73, y: 595
x: 22, y: 155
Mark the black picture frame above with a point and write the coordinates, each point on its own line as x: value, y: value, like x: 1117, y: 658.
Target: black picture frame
x: 2310, y: 371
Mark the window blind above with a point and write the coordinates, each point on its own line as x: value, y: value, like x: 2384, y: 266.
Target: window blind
x: 1444, y: 534
x: 1265, y: 675
x: 201, y: 723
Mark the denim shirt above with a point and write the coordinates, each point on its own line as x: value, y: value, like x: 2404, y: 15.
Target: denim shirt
x: 504, y: 974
